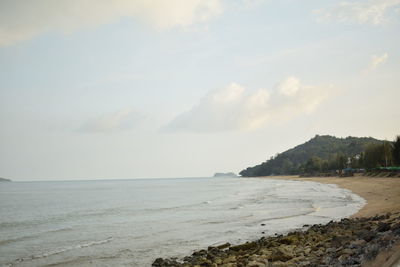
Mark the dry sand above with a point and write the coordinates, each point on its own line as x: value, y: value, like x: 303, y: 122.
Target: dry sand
x: 382, y: 196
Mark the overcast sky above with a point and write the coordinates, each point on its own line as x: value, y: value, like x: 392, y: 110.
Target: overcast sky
x: 94, y: 89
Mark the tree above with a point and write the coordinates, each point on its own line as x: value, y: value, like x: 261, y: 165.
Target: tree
x: 313, y: 164
x: 371, y: 156
x: 325, y: 166
x: 287, y: 166
x: 388, y: 152
x: 378, y: 155
x: 341, y: 161
x: 396, y: 151
x: 356, y: 161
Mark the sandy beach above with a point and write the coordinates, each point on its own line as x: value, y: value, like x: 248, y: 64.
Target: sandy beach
x: 382, y: 194
x: 369, y: 238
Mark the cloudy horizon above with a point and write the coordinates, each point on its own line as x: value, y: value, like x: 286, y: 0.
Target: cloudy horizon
x: 186, y: 88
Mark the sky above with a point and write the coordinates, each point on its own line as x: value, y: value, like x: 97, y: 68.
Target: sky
x: 97, y: 89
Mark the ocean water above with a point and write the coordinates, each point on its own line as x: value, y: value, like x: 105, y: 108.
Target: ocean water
x: 132, y: 222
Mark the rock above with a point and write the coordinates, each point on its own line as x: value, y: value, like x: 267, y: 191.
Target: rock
x: 350, y: 242
x: 357, y: 243
x: 283, y: 253
x: 327, y: 260
x: 304, y: 263
x: 378, y: 218
x: 158, y: 262
x: 343, y: 258
x: 299, y: 258
x: 396, y: 232
x: 331, y: 250
x: 288, y: 240
x: 371, y: 252
x: 199, y: 253
x: 347, y: 251
x: 224, y: 246
x: 279, y: 264
x: 396, y: 226
x: 253, y: 257
x: 266, y: 252
x: 256, y: 264
x: 366, y: 235
x: 383, y: 227
x: 229, y: 259
x: 337, y: 241
x: 319, y: 252
x: 385, y: 240
x: 245, y: 246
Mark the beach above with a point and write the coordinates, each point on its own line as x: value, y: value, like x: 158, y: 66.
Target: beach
x: 382, y: 194
x: 370, y: 237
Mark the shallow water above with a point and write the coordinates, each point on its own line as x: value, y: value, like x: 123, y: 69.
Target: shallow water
x: 132, y: 222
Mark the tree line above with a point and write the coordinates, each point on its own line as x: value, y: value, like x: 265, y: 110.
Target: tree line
x: 385, y: 154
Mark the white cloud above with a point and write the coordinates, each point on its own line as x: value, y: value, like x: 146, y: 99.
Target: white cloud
x: 377, y: 61
x: 290, y: 86
x: 363, y: 12
x: 232, y: 108
x: 121, y: 120
x: 22, y: 20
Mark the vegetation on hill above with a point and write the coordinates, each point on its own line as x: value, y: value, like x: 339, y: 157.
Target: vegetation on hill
x: 328, y: 153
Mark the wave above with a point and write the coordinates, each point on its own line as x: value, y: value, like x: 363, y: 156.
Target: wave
x: 207, y: 202
x: 93, y: 214
x: 27, y: 237
x: 287, y: 216
x: 40, y: 221
x: 65, y: 249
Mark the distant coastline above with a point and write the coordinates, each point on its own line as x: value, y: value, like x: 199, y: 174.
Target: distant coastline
x: 225, y: 174
x: 5, y: 180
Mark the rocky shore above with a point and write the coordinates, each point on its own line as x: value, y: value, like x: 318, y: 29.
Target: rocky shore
x: 349, y: 242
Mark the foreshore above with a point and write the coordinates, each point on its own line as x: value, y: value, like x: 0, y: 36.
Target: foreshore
x: 371, y: 237
x: 382, y: 194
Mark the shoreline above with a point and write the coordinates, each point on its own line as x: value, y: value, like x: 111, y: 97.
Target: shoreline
x: 370, y: 237
x: 382, y: 194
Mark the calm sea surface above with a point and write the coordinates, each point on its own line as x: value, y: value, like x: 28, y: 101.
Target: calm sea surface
x: 132, y: 222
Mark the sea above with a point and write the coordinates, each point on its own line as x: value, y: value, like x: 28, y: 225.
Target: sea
x: 133, y: 222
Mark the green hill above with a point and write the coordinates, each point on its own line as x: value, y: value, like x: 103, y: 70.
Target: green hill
x: 322, y: 147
